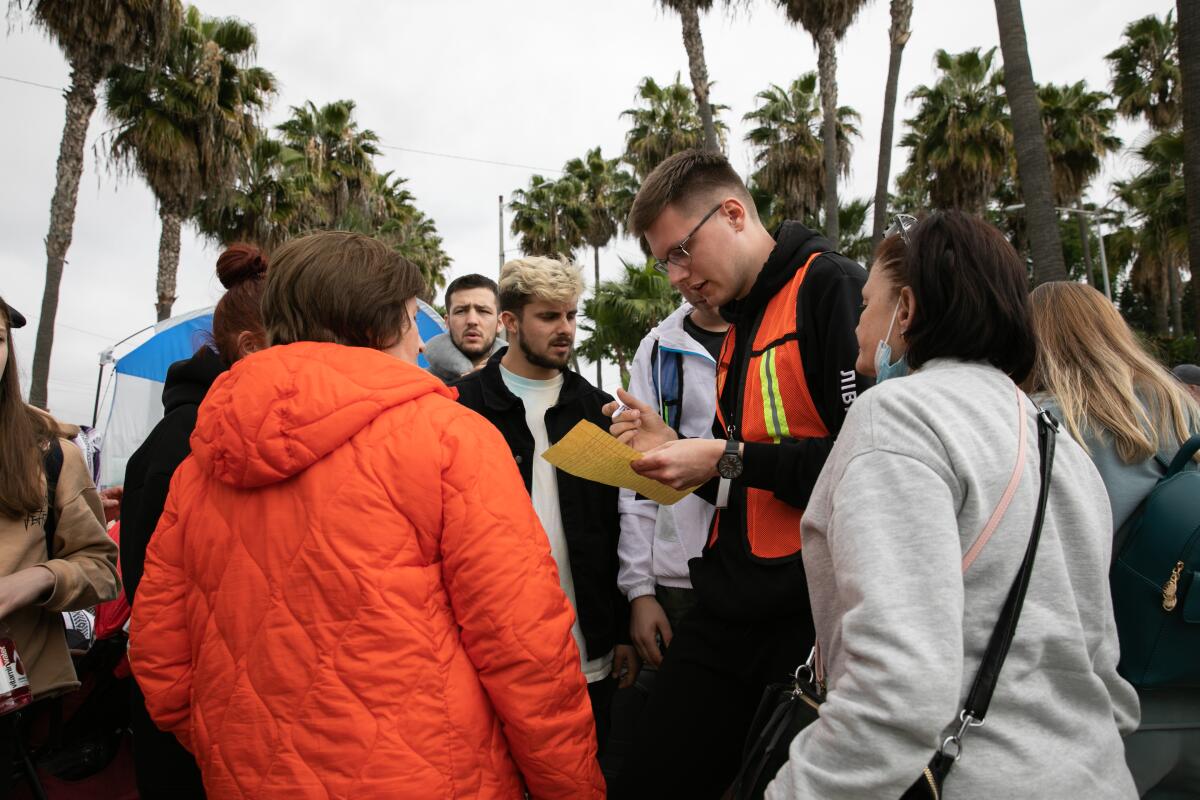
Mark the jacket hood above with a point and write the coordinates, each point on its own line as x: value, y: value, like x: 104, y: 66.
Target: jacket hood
x: 794, y: 243
x: 189, y: 380
x: 671, y: 334
x: 278, y: 411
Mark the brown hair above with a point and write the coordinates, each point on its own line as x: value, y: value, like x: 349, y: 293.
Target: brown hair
x: 337, y: 286
x: 685, y: 179
x: 972, y: 295
x: 242, y: 269
x: 23, y: 436
x: 1101, y: 376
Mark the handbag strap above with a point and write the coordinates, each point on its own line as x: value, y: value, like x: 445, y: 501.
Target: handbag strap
x: 976, y: 707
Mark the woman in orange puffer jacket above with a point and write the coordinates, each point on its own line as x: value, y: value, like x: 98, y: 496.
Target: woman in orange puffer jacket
x: 349, y: 594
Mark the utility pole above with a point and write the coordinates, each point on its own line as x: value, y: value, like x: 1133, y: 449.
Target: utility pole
x: 1097, y: 216
x: 500, y: 201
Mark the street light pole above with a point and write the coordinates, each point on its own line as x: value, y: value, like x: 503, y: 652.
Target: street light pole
x: 501, y: 203
x: 1103, y: 260
x: 1099, y: 232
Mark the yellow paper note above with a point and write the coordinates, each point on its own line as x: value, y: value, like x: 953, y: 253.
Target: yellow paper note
x: 590, y: 453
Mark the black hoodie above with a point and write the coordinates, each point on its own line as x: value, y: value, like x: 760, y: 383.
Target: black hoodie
x: 148, y: 474
x: 729, y: 582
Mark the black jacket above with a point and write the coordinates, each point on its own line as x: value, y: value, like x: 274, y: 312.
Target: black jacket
x: 148, y: 474
x: 589, y: 510
x: 727, y: 579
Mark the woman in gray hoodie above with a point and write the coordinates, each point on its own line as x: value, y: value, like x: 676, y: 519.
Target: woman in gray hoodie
x: 915, y: 531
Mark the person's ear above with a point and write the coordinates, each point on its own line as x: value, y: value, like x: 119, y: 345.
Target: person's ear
x: 249, y: 342
x: 509, y: 320
x: 908, y: 308
x: 735, y: 212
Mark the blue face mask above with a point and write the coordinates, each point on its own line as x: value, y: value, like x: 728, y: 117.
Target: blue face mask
x: 884, y: 368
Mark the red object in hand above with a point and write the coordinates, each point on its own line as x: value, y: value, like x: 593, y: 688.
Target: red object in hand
x: 14, y: 683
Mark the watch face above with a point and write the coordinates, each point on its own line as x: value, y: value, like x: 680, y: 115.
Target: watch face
x: 730, y: 466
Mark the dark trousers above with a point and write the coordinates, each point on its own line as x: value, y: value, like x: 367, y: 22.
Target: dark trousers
x: 165, y: 769
x: 601, y: 694
x: 690, y: 741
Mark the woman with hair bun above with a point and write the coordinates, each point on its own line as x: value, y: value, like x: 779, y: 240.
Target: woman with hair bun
x: 164, y: 768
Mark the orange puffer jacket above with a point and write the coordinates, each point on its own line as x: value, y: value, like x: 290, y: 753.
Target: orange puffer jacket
x: 349, y: 595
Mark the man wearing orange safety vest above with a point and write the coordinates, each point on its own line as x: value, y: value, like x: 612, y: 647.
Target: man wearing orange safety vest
x: 785, y: 380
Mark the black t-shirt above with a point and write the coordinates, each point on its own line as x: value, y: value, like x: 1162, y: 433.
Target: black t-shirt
x: 711, y: 340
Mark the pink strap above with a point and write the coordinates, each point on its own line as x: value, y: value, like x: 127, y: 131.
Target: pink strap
x: 1013, y: 482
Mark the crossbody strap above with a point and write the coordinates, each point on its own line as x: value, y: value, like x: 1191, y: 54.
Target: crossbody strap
x: 980, y: 697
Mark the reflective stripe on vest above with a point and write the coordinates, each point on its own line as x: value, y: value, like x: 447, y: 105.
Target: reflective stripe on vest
x: 776, y: 405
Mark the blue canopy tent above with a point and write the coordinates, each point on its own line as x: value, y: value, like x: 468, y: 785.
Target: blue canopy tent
x: 134, y: 398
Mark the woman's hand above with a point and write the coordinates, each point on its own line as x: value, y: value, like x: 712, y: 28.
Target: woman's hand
x: 638, y: 426
x: 24, y: 588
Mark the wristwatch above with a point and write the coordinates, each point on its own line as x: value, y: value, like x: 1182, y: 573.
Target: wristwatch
x: 730, y: 464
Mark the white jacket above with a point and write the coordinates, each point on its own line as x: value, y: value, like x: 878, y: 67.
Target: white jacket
x: 657, y: 541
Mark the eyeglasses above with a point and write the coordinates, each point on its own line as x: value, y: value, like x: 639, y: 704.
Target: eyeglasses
x: 901, y: 224
x: 678, y: 255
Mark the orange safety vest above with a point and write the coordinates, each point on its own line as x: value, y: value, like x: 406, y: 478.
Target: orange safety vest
x: 774, y: 405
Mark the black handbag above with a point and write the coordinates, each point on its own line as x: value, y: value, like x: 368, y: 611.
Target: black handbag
x: 787, y: 708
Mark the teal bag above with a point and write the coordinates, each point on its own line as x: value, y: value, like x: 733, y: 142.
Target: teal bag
x: 1156, y: 581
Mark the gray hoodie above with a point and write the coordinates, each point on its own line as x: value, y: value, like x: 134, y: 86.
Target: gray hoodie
x: 920, y: 466
x: 447, y: 362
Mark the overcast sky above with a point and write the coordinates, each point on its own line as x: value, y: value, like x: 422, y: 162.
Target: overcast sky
x: 530, y: 83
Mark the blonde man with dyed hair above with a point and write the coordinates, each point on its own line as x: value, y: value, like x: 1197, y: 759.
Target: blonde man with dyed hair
x: 531, y: 395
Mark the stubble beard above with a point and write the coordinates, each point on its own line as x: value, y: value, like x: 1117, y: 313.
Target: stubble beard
x: 544, y: 360
x: 474, y: 352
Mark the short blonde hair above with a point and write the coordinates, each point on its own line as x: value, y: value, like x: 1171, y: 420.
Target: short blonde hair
x: 524, y: 280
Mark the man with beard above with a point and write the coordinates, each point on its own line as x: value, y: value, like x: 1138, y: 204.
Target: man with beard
x: 472, y: 317
x: 528, y: 392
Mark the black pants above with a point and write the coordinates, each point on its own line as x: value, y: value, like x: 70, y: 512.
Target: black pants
x: 165, y: 769
x: 690, y: 741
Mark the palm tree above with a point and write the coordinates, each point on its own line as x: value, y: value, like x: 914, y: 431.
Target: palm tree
x: 549, y: 216
x: 1029, y: 137
x: 788, y: 149
x: 339, y: 157
x: 666, y: 122
x: 395, y: 219
x: 1189, y: 69
x: 960, y: 138
x: 826, y: 21
x: 264, y: 204
x: 623, y: 312
x: 607, y: 197
x: 1145, y: 72
x: 186, y: 127
x: 693, y: 43
x: 855, y: 243
x: 94, y: 37
x: 1155, y: 197
x: 1078, y: 136
x: 898, y: 36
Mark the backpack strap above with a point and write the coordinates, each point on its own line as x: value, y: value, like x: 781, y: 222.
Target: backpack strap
x: 1185, y: 454
x: 53, y: 463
